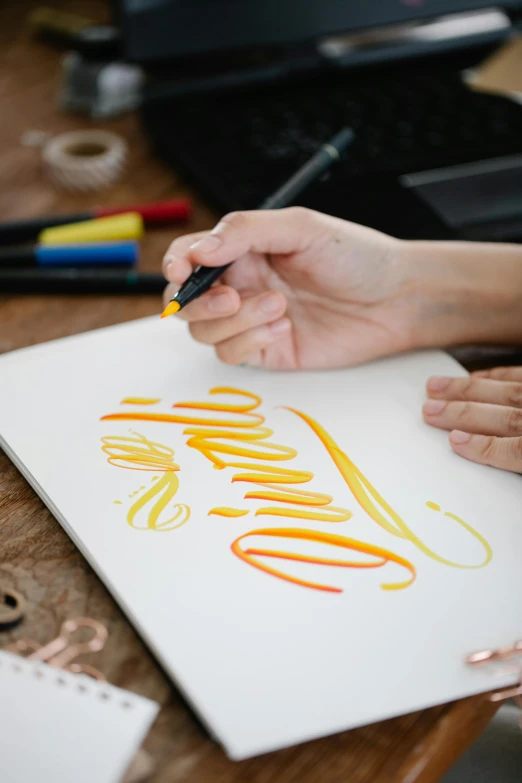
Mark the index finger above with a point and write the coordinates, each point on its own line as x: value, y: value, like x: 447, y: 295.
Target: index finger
x: 176, y: 265
x: 281, y: 231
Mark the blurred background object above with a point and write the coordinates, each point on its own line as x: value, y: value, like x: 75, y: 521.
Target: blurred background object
x: 85, y: 160
x: 237, y: 107
x: 98, y: 88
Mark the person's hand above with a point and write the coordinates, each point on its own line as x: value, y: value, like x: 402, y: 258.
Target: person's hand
x: 306, y: 291
x: 484, y: 414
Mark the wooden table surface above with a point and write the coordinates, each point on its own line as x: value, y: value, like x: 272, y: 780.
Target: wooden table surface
x: 36, y: 556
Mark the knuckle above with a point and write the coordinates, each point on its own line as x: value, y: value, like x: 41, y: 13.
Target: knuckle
x: 200, y: 333
x: 515, y: 395
x: 170, y: 251
x: 488, y: 448
x: 236, y: 220
x: 173, y: 248
x: 465, y: 387
x: 498, y: 373
x: 514, y: 421
x: 225, y: 354
x: 299, y: 214
x: 515, y: 451
x: 464, y: 411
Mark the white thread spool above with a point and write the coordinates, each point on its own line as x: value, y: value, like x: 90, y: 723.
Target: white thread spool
x: 83, y: 161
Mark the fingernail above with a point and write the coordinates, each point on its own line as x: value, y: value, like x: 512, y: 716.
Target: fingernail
x: 433, y: 407
x: 270, y: 303
x: 280, y: 327
x: 438, y: 384
x: 219, y: 303
x: 208, y: 244
x: 458, y: 437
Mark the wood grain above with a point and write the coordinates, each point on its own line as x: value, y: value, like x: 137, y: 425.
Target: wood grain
x: 36, y: 556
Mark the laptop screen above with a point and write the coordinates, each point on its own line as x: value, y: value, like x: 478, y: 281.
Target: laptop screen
x: 169, y: 29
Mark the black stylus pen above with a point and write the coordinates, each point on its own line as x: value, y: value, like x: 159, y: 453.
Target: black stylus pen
x: 202, y: 277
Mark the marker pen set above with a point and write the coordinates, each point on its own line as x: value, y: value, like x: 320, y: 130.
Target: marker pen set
x: 104, y: 237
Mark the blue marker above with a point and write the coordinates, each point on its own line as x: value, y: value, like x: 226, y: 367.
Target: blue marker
x: 93, y: 254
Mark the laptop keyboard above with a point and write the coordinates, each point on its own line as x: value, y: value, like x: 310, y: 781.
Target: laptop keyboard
x: 239, y: 146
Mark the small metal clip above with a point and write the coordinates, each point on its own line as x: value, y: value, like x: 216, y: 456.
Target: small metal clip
x: 89, y: 671
x: 61, y: 651
x: 503, y: 654
x: 12, y: 609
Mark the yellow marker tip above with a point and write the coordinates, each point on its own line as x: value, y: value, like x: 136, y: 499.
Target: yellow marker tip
x: 170, y: 309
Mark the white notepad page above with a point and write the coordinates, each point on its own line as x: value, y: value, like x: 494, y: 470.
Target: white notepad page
x: 60, y: 727
x: 264, y: 660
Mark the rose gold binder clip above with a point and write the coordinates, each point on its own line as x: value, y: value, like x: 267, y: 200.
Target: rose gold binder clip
x: 60, y: 652
x: 513, y: 654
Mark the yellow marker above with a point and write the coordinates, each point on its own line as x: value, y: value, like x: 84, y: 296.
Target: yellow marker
x: 50, y: 20
x: 107, y: 229
x: 170, y: 309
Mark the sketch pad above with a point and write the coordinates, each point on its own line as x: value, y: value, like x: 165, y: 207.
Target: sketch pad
x: 63, y: 727
x: 380, y: 561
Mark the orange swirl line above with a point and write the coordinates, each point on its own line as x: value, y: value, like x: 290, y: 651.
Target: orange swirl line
x: 226, y: 511
x: 383, y: 555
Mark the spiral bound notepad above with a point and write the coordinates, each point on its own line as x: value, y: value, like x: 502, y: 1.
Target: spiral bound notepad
x: 63, y: 727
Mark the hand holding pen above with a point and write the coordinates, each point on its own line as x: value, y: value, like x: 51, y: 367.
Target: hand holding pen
x: 307, y: 291
x: 203, y: 277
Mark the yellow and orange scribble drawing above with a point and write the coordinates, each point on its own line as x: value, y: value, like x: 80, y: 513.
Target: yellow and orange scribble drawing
x: 248, y: 439
x: 136, y: 452
x: 234, y: 435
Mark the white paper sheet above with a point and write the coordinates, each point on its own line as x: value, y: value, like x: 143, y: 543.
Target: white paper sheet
x: 60, y: 727
x: 266, y: 661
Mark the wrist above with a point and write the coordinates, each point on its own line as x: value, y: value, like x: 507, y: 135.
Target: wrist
x: 463, y: 292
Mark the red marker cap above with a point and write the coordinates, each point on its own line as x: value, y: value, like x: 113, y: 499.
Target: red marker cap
x: 154, y: 212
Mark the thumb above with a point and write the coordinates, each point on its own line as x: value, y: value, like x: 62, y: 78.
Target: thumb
x: 503, y: 453
x: 267, y: 231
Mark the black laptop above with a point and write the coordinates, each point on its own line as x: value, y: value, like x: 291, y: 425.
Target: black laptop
x: 241, y: 92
